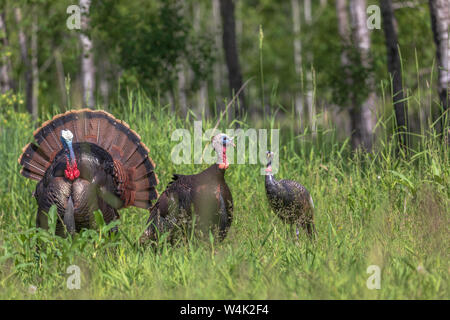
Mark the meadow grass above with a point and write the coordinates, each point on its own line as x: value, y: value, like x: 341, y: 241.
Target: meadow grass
x: 371, y: 209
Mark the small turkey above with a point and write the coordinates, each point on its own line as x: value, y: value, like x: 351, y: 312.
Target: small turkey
x: 201, y: 200
x: 87, y: 160
x: 290, y: 200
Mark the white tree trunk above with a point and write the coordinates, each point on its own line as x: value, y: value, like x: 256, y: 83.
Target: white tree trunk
x: 202, y: 94
x: 181, y: 84
x: 309, y: 98
x: 26, y: 61
x: 440, y: 22
x: 295, y: 5
x: 367, y: 114
x: 87, y: 59
x: 104, y: 86
x: 61, y: 77
x: 5, y: 63
x: 34, y: 63
x: 219, y: 72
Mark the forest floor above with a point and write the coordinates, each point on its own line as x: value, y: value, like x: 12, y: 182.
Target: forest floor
x: 371, y: 210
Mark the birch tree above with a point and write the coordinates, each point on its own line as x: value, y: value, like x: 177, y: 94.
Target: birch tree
x: 218, y: 74
x: 60, y: 77
x: 202, y: 94
x: 32, y: 108
x: 181, y: 72
x: 355, y: 61
x: 344, y: 34
x: 181, y: 88
x: 309, y: 96
x: 363, y: 116
x: 440, y: 24
x: 5, y: 62
x: 298, y: 64
x: 87, y: 58
x: 34, y: 62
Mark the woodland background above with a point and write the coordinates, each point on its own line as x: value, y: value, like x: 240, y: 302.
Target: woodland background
x: 311, y: 62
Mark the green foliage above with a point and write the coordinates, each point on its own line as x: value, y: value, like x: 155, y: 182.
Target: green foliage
x: 370, y: 209
x: 345, y: 93
x: 9, y: 100
x: 151, y: 37
x: 143, y: 43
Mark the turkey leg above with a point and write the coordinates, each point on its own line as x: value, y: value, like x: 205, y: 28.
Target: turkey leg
x: 69, y: 218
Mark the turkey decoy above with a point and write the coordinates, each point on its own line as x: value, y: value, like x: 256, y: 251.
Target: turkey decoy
x: 201, y: 200
x: 87, y: 160
x: 290, y: 200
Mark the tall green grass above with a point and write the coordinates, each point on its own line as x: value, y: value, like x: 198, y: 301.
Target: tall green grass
x: 371, y: 209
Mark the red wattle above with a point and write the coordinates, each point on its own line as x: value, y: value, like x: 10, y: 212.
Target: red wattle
x: 224, y: 164
x: 71, y: 171
x: 76, y: 172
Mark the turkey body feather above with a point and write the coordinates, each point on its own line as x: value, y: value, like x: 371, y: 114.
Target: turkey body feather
x: 203, y: 201
x: 291, y: 202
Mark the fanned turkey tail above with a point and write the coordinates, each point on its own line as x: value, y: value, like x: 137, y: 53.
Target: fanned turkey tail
x: 134, y: 171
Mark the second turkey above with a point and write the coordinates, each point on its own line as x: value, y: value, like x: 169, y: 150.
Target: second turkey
x: 202, y: 201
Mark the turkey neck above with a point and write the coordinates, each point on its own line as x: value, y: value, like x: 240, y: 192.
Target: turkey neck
x: 222, y: 160
x: 271, y: 183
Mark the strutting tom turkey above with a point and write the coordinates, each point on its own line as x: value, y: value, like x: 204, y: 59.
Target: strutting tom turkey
x: 86, y: 160
x: 204, y: 197
x: 289, y: 200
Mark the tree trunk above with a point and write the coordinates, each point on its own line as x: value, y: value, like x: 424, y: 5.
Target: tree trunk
x: 61, y: 77
x: 218, y: 65
x: 296, y: 23
x: 170, y: 99
x: 104, y: 85
x: 87, y: 59
x: 344, y: 33
x: 310, y: 103
x: 181, y: 85
x: 440, y: 24
x: 26, y: 62
x: 394, y: 68
x: 361, y: 116
x: 34, y: 62
x: 364, y: 115
x: 6, y: 82
x: 202, y: 94
x: 203, y: 98
x: 231, y: 54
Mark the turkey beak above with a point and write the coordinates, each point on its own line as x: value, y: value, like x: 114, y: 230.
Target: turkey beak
x: 232, y: 143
